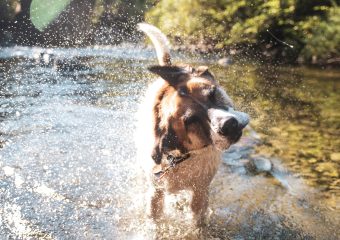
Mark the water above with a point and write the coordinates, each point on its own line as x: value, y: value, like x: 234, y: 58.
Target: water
x: 67, y: 160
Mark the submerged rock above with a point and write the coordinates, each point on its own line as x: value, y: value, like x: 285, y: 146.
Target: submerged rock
x: 50, y: 60
x: 226, y: 61
x: 259, y: 164
x: 335, y: 156
x: 327, y: 169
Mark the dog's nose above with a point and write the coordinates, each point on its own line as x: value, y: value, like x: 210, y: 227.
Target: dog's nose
x: 231, y: 126
x: 228, y: 123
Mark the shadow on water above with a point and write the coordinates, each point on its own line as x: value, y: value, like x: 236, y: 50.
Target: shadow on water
x: 67, y: 159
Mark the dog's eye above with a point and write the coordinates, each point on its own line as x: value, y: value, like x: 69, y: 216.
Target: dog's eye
x: 192, y: 119
x: 183, y: 92
x: 211, y: 94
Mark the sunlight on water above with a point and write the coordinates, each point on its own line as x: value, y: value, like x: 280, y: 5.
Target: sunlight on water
x: 68, y: 167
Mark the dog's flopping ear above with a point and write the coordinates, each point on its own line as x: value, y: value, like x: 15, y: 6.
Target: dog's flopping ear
x: 172, y: 74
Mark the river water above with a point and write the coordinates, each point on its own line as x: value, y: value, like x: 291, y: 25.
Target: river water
x: 68, y: 168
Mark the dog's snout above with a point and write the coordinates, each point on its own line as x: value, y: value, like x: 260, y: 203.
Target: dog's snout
x: 228, y: 123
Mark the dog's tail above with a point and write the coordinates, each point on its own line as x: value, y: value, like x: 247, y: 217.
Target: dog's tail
x: 159, y: 41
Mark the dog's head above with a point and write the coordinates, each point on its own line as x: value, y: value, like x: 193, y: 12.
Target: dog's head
x: 192, y: 111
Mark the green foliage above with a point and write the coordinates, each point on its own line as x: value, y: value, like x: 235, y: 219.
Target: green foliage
x: 43, y: 12
x: 322, y: 39
x: 311, y: 26
x: 220, y: 22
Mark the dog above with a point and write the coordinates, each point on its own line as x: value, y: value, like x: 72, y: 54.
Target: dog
x: 186, y: 121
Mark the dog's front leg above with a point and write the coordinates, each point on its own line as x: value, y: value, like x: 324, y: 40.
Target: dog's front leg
x: 199, y: 205
x: 156, y: 204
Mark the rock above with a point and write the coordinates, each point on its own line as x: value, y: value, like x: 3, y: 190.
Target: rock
x: 258, y: 165
x: 328, y: 169
x: 335, y: 156
x: 312, y: 160
x: 262, y: 164
x: 225, y: 61
x: 69, y: 65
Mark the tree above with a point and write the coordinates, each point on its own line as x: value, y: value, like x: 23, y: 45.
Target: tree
x: 310, y: 26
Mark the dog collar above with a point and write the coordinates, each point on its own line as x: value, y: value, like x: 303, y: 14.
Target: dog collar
x: 159, y: 173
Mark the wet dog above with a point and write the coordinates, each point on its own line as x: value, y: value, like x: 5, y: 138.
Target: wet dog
x: 186, y: 120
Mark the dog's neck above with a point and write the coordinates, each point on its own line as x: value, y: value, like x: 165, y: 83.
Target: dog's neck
x: 174, y: 158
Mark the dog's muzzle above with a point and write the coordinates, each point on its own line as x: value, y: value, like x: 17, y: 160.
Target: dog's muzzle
x: 228, y: 123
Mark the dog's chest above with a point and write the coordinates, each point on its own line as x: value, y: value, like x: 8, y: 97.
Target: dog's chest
x: 195, y: 172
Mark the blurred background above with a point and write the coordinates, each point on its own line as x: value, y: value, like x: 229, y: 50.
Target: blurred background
x: 251, y: 27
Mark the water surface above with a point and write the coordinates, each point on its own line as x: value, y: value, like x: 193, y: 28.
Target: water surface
x: 67, y: 159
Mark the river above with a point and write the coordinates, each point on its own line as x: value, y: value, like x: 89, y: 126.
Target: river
x: 67, y: 157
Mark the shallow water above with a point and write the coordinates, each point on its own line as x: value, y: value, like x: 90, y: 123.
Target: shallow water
x: 67, y: 159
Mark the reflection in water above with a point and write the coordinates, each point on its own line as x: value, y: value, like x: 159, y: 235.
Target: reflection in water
x: 67, y: 157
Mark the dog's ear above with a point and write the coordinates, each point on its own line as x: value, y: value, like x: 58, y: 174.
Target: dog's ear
x: 203, y: 71
x: 172, y: 74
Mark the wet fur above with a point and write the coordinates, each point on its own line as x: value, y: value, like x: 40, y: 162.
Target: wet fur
x: 162, y: 129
